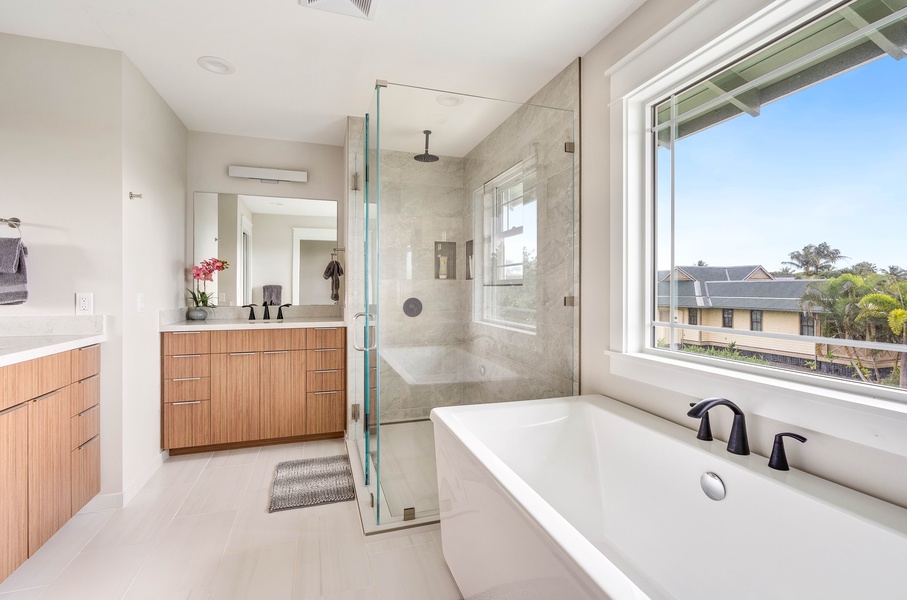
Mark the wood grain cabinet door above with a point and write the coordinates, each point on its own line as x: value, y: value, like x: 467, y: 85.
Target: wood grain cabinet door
x: 86, y: 473
x: 13, y: 489
x: 49, y: 466
x: 235, y: 404
x: 283, y: 375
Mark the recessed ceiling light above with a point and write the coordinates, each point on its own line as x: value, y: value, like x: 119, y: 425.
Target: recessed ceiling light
x: 449, y: 100
x: 216, y: 65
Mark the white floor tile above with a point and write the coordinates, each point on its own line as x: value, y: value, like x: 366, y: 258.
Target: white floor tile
x: 255, y: 527
x: 53, y: 557
x: 330, y: 555
x: 143, y: 520
x: 102, y: 575
x: 231, y: 458
x: 29, y: 594
x: 412, y: 573
x: 186, y: 558
x: 256, y: 574
x: 217, y: 490
x: 178, y: 470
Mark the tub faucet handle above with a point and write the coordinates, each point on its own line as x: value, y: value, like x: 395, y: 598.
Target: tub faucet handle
x: 737, y: 442
x: 705, y: 427
x: 779, y: 457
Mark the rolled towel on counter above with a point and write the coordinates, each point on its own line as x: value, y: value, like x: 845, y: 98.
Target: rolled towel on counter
x: 13, y: 276
x: 271, y: 294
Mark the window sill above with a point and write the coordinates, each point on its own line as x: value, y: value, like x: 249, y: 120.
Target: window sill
x: 796, y: 399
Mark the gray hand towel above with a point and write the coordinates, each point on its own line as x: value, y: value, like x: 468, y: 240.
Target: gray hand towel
x: 271, y: 294
x: 333, y: 272
x: 13, y: 277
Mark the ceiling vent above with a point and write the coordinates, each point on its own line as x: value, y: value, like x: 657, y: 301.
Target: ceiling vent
x: 353, y: 8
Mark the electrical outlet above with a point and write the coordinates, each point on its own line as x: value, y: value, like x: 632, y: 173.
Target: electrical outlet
x: 84, y: 303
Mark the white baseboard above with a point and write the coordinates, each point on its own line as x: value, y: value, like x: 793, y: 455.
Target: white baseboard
x: 116, y: 500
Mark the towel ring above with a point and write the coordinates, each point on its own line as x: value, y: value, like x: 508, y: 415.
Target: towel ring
x: 15, y: 223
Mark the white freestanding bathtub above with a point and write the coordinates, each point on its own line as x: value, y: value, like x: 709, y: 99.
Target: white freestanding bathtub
x: 587, y: 497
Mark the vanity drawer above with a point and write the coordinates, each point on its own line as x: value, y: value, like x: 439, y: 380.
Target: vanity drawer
x: 187, y: 424
x: 186, y: 342
x: 325, y: 380
x: 326, y: 337
x: 187, y: 365
x: 85, y: 394
x: 85, y: 426
x: 325, y: 412
x: 86, y: 362
x: 326, y: 358
x: 187, y: 388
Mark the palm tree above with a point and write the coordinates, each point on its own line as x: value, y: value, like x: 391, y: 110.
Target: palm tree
x: 835, y: 302
x: 888, y: 304
x: 896, y: 273
x: 863, y: 269
x: 814, y: 260
x: 701, y: 263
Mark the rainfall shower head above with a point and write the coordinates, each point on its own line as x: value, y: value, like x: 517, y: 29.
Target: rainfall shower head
x: 426, y: 157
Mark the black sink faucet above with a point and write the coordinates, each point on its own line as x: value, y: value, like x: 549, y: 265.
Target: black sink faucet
x: 251, y: 308
x: 267, y: 315
x: 737, y: 442
x: 280, y: 311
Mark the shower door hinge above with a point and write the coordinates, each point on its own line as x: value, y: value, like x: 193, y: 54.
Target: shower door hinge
x: 569, y: 301
x: 366, y: 173
x: 409, y: 514
x: 380, y: 83
x: 570, y: 147
x: 355, y: 410
x: 371, y: 500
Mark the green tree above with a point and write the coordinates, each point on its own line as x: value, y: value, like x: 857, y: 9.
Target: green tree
x: 835, y: 303
x: 895, y: 272
x: 783, y: 272
x: 813, y: 261
x: 863, y: 269
x: 888, y: 304
x: 701, y: 263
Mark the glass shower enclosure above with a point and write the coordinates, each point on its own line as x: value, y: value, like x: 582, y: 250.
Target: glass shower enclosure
x: 467, y: 234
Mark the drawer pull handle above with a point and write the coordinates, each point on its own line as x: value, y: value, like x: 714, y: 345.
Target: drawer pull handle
x: 327, y: 350
x: 277, y: 352
x: 186, y: 332
x: 95, y: 376
x: 88, y: 410
x: 48, y: 395
x: 89, y: 441
x: 327, y: 370
x: 186, y: 355
x: 326, y: 328
x: 186, y: 379
x: 88, y: 347
x: 323, y: 393
x: 184, y: 403
x: 242, y: 353
x: 13, y: 409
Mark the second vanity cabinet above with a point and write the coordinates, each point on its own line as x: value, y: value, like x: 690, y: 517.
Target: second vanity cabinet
x: 239, y: 387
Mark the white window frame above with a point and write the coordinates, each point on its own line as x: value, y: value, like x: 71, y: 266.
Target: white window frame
x: 708, y: 36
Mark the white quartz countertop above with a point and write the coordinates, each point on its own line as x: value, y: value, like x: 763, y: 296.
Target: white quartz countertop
x: 242, y: 324
x: 16, y: 349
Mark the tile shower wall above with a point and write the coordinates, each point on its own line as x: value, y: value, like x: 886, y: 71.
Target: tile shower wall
x: 544, y: 361
x: 421, y: 204
x: 462, y: 361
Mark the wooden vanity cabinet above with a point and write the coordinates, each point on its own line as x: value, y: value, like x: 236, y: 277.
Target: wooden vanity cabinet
x: 48, y: 407
x: 254, y: 385
x: 13, y: 488
x: 186, y: 389
x: 326, y: 380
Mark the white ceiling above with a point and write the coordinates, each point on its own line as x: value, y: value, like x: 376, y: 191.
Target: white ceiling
x: 301, y: 71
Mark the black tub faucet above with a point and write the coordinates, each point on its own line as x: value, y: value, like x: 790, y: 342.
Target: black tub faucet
x: 737, y: 442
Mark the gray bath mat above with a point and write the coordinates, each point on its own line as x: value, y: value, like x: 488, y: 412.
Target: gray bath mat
x: 312, y: 481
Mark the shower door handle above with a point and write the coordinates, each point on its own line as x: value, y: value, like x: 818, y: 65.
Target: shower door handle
x: 355, y: 345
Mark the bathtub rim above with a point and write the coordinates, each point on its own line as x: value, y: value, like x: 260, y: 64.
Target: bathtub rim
x: 869, y: 510
x: 590, y: 562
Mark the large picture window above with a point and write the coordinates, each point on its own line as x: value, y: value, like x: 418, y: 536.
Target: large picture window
x: 810, y: 130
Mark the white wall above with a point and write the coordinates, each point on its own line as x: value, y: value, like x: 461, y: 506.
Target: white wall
x: 860, y: 446
x: 79, y: 129
x: 154, y: 238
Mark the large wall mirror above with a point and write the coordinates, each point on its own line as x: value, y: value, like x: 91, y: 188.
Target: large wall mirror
x: 287, y: 242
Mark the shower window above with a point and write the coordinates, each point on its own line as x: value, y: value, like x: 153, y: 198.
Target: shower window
x: 510, y: 248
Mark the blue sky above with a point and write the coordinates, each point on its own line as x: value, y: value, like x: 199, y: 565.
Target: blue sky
x: 827, y: 164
